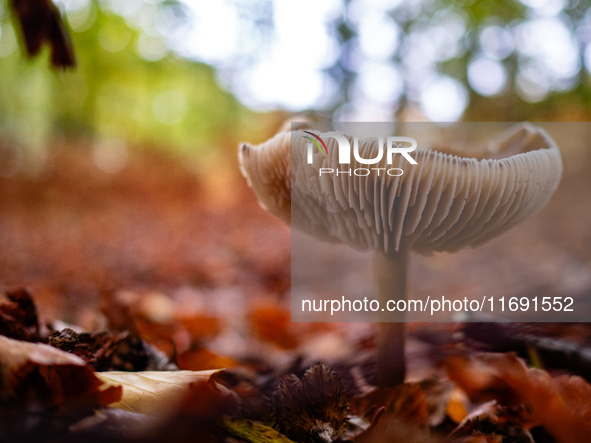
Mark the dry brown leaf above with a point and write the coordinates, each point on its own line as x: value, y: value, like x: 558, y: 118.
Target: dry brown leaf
x: 392, y: 426
x: 41, y: 373
x: 397, y: 414
x: 478, y: 380
x: 200, y: 327
x: 201, y: 359
x: 208, y: 401
x: 152, y: 393
x: 18, y: 315
x: 480, y: 439
x: 494, y: 421
x: 407, y: 402
x: 272, y: 323
x: 438, y: 396
x: 562, y: 405
x: 162, y: 322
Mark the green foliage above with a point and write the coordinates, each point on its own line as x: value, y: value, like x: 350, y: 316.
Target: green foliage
x: 114, y: 91
x: 252, y: 432
x: 130, y: 85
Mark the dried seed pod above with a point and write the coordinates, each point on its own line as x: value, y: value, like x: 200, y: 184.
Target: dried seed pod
x: 314, y: 408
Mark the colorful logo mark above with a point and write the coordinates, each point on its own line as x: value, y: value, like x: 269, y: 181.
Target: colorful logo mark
x: 315, y: 142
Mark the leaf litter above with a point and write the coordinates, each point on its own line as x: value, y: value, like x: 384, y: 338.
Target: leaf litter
x: 470, y: 397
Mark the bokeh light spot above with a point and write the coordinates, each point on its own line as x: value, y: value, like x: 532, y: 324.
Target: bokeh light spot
x: 151, y: 48
x: 110, y: 154
x: 379, y: 36
x: 487, y: 77
x: 443, y: 99
x: 496, y: 42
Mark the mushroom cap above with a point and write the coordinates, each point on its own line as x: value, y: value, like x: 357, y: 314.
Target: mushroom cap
x: 447, y: 201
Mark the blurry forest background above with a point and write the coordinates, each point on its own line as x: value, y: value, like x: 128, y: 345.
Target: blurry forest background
x: 120, y: 177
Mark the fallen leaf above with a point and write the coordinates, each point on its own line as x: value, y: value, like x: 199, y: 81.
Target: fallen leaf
x: 392, y: 426
x: 201, y: 359
x: 207, y: 402
x: 161, y: 321
x: 186, y: 410
x: 253, y: 432
x: 561, y: 404
x: 18, y: 316
x: 152, y: 392
x: 200, y: 327
x: 35, y: 372
x: 438, y: 396
x: 404, y: 412
x: 406, y: 402
x: 272, y: 323
x: 494, y: 421
x: 480, y: 439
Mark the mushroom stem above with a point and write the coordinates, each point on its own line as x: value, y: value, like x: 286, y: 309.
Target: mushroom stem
x: 390, y: 270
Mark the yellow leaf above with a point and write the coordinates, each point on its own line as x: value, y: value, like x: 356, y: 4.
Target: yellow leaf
x: 151, y: 392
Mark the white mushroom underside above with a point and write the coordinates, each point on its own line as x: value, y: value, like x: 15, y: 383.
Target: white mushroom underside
x: 444, y: 203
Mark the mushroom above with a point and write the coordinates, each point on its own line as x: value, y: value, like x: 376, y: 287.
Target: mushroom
x: 447, y: 201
